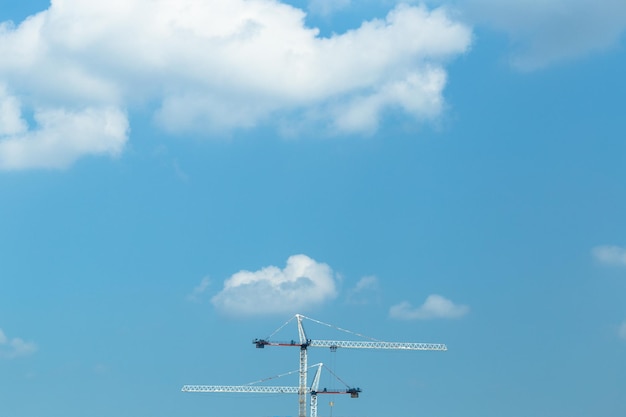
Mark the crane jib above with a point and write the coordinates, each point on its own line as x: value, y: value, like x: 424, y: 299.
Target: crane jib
x: 377, y: 345
x: 334, y: 344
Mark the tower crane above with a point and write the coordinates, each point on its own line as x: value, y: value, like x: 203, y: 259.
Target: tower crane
x: 258, y: 389
x: 304, y: 343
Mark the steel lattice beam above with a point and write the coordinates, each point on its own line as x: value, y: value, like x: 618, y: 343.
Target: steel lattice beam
x: 376, y: 345
x: 240, y: 388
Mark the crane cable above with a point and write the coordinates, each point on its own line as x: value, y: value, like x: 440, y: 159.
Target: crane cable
x: 280, y: 328
x: 280, y: 375
x: 338, y: 328
x: 323, y: 324
x: 337, y: 377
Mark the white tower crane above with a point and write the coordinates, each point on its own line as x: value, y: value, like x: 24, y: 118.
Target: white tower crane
x: 258, y: 389
x: 304, y: 343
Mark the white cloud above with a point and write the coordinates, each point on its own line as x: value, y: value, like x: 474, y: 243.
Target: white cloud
x: 365, y: 291
x: 11, y: 122
x: 366, y: 283
x: 62, y: 137
x: 434, y: 307
x: 199, y: 289
x: 610, y: 255
x: 218, y: 66
x: 544, y: 32
x: 418, y: 94
x: 302, y: 284
x: 11, y: 348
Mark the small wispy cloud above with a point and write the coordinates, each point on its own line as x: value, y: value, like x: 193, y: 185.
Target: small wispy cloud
x: 101, y: 369
x: 547, y: 32
x: 327, y: 7
x: 15, y: 347
x: 610, y: 255
x: 435, y: 307
x: 302, y: 284
x: 180, y: 173
x: 365, y: 291
x: 200, y: 289
x: 622, y: 330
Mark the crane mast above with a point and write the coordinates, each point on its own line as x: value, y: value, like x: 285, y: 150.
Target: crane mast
x: 303, y: 370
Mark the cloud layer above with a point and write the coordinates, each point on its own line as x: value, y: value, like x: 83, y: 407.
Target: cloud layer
x: 302, y: 284
x: 82, y: 65
x: 435, y: 307
x: 11, y: 348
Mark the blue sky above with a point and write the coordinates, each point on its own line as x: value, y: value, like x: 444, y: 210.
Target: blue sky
x: 179, y: 178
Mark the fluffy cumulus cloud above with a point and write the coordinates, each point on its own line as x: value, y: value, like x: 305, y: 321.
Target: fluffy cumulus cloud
x: 15, y: 347
x: 302, y: 284
x: 610, y: 255
x: 435, y: 307
x: 544, y: 32
x: 73, y: 72
x: 61, y: 136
